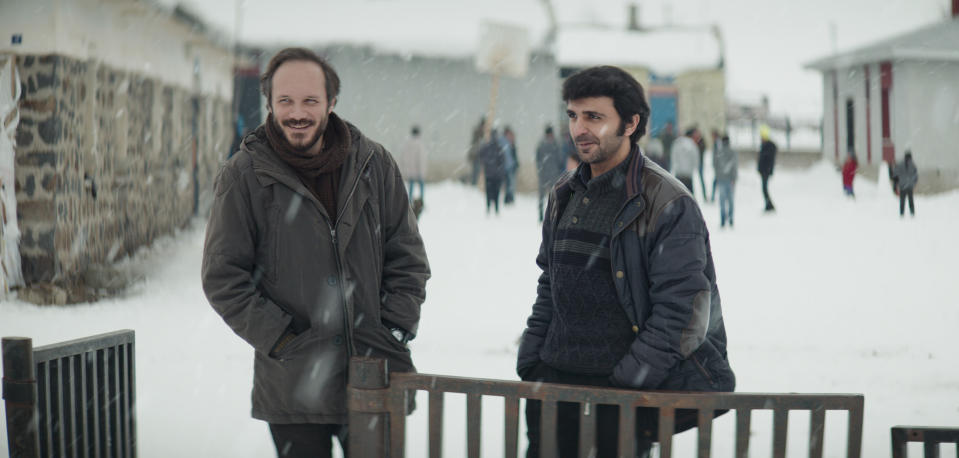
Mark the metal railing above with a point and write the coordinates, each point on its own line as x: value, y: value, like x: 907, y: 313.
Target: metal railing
x: 71, y: 399
x: 930, y: 437
x: 378, y: 404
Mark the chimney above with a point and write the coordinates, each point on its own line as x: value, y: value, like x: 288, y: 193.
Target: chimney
x: 955, y: 9
x: 634, y: 15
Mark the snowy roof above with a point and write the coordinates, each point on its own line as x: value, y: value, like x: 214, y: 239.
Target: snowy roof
x: 417, y: 27
x: 666, y: 51
x: 937, y: 42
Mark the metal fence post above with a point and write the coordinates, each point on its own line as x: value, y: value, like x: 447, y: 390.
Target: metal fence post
x: 20, y: 397
x: 368, y: 409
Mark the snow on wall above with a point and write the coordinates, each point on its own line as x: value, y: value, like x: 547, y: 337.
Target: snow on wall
x: 10, y: 273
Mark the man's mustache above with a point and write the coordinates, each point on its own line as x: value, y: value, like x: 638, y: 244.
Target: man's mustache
x: 298, y: 122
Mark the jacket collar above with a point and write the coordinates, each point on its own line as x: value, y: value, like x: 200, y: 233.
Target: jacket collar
x: 271, y: 169
x: 632, y: 207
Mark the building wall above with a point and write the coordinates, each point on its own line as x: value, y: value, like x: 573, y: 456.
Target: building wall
x: 924, y: 113
x: 125, y: 34
x: 384, y: 95
x: 702, y: 100
x: 105, y: 161
x: 927, y: 97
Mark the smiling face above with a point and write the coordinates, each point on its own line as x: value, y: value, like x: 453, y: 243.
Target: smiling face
x: 600, y: 135
x: 299, y: 105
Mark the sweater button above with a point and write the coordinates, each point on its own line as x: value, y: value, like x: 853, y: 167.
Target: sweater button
x: 338, y: 339
x: 575, y: 220
x: 585, y: 200
x: 620, y: 224
x: 635, y: 329
x: 619, y: 274
x: 331, y: 280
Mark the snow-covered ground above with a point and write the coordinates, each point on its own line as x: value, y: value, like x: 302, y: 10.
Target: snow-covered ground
x: 827, y: 295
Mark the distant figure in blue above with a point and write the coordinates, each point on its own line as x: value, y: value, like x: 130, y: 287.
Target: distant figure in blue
x: 726, y: 163
x: 413, y: 162
x: 767, y: 162
x: 512, y: 164
x: 493, y: 157
x: 550, y: 164
x: 906, y: 178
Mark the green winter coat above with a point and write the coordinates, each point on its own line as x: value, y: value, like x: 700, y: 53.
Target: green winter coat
x: 272, y: 253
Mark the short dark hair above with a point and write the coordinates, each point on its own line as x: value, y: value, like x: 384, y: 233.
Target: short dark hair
x: 288, y: 54
x: 607, y: 81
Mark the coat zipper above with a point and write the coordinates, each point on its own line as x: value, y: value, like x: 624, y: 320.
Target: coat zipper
x: 348, y: 315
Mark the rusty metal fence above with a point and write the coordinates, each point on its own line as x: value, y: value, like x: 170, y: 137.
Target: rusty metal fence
x: 71, y: 399
x: 378, y: 401
x: 930, y: 437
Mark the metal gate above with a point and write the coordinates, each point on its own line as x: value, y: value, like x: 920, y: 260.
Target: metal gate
x: 71, y: 399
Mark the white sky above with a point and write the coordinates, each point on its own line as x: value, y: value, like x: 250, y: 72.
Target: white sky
x: 767, y: 41
x: 827, y: 295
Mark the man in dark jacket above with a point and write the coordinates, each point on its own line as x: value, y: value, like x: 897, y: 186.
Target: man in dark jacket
x: 627, y: 297
x: 550, y: 164
x: 493, y: 156
x: 906, y: 178
x: 766, y: 164
x: 312, y: 255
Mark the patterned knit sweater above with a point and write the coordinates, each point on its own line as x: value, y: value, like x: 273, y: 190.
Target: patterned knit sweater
x: 589, y: 332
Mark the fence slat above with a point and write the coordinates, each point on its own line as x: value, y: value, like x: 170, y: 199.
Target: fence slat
x: 667, y: 421
x: 46, y: 427
x: 511, y: 434
x: 705, y: 425
x: 398, y: 403
x: 930, y: 449
x: 742, y: 433
x: 627, y: 428
x: 547, y: 429
x: 854, y: 441
x: 780, y: 426
x: 20, y: 396
x: 436, y: 424
x: 73, y: 389
x: 132, y: 383
x: 474, y: 413
x: 59, y: 422
x: 817, y: 426
x: 587, y: 429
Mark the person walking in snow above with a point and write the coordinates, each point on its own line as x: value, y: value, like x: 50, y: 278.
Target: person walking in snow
x: 685, y: 159
x: 493, y: 157
x: 906, y: 178
x: 312, y: 255
x: 701, y: 146
x: 766, y: 164
x: 550, y: 164
x: 667, y: 136
x: 511, y: 165
x: 849, y: 173
x: 726, y: 164
x: 413, y: 162
x: 627, y: 296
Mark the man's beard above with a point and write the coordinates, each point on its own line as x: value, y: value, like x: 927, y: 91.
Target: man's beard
x: 301, y: 147
x: 605, y: 148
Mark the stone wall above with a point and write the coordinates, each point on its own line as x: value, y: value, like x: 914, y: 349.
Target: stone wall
x: 105, y: 162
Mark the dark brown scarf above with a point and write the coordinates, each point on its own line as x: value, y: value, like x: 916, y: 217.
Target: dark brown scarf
x: 319, y: 173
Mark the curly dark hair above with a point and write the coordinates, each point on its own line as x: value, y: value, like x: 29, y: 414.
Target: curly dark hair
x: 288, y: 54
x: 607, y: 81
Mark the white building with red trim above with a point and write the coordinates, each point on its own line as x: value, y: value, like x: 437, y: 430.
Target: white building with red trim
x: 897, y: 95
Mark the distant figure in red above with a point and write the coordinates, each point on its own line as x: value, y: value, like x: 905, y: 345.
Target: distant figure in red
x: 849, y: 173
